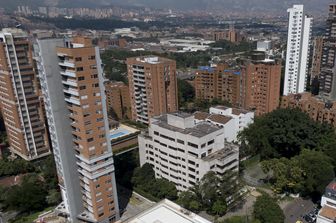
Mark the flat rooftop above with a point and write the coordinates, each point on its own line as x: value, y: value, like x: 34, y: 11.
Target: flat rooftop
x: 229, y: 150
x: 150, y: 59
x: 199, y: 130
x: 167, y: 212
x: 328, y: 212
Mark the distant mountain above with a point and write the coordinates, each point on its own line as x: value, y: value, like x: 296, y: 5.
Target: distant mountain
x: 312, y: 6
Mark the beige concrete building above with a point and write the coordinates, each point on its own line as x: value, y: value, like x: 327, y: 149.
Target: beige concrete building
x: 118, y: 100
x: 317, y: 108
x: 72, y: 83
x: 20, y: 99
x: 153, y: 86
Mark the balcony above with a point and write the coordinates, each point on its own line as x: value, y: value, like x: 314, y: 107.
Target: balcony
x: 71, y: 91
x: 73, y: 100
x: 67, y: 64
x: 70, y: 83
x: 68, y: 73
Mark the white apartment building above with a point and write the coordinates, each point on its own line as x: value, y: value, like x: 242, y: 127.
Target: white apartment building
x: 231, y: 120
x: 183, y: 151
x: 298, y: 44
x: 327, y: 214
x: 172, y: 212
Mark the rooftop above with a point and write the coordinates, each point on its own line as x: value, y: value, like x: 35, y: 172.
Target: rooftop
x: 199, y: 130
x: 219, y: 118
x: 201, y: 115
x: 167, y: 212
x: 150, y: 59
x: 328, y: 212
x: 230, y: 149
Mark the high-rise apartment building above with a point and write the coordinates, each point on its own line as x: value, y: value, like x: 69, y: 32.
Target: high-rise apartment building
x: 118, y: 100
x: 219, y: 82
x: 182, y: 151
x: 298, y: 46
x: 20, y: 98
x: 328, y: 68
x: 72, y: 83
x: 262, y: 85
x: 317, y: 59
x: 153, y: 86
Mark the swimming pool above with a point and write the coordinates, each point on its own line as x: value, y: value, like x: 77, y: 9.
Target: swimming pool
x: 119, y: 133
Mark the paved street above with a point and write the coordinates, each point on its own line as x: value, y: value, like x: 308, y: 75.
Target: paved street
x: 295, y: 209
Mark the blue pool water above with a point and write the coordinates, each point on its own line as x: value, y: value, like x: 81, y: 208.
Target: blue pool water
x: 118, y: 134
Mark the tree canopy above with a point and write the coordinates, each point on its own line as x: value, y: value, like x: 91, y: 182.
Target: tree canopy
x: 213, y: 193
x: 284, y: 133
x: 308, y: 173
x: 144, y: 181
x: 267, y: 210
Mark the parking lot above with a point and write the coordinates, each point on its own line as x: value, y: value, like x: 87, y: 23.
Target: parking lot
x: 297, y: 209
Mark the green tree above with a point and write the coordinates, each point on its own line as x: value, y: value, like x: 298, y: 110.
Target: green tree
x: 186, y: 91
x: 189, y: 200
x: 27, y: 197
x: 267, y: 210
x: 283, y: 133
x: 318, y: 171
x: 54, y: 197
x: 219, y: 208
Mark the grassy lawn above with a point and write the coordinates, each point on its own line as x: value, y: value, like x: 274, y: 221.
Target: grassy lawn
x: 30, y: 218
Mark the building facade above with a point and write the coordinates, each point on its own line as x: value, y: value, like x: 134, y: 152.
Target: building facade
x: 317, y: 59
x: 20, y: 97
x: 262, y: 86
x: 219, y: 82
x: 118, y: 100
x: 153, y: 86
x: 182, y: 151
x: 72, y: 83
x: 317, y: 108
x: 328, y: 69
x: 298, y: 45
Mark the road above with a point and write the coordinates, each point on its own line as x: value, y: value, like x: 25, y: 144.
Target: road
x: 296, y: 209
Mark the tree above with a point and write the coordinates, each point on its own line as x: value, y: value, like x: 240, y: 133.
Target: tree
x: 186, y: 91
x: 29, y: 196
x: 54, y: 197
x: 144, y: 180
x: 283, y: 133
x: 189, y: 200
x: 318, y: 171
x: 219, y: 208
x: 267, y: 210
x: 143, y: 175
x: 309, y: 173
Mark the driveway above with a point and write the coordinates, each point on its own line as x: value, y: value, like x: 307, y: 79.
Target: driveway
x: 295, y: 209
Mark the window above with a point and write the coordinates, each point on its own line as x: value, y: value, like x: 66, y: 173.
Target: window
x: 78, y: 59
x: 82, y: 87
x: 81, y: 78
x: 79, y: 69
x: 94, y: 76
x: 211, y: 142
x: 93, y: 67
x: 92, y: 57
x: 90, y: 139
x: 192, y: 145
x: 180, y: 141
